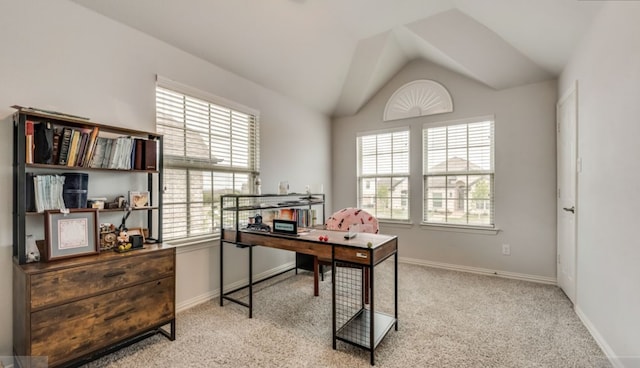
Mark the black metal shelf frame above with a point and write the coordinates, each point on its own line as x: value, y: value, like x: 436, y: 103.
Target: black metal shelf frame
x: 20, y: 168
x: 355, y: 321
x: 236, y: 203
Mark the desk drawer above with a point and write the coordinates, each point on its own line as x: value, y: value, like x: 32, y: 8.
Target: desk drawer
x: 355, y: 255
x: 96, y: 322
x: 77, y: 282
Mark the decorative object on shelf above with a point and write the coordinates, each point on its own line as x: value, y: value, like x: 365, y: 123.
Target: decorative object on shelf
x: 127, y: 213
x: 283, y: 187
x: 70, y: 233
x: 258, y: 184
x: 108, y: 237
x: 33, y: 254
x: 75, y: 190
x: 96, y: 202
x: 123, y: 242
x: 138, y: 199
x: 136, y: 232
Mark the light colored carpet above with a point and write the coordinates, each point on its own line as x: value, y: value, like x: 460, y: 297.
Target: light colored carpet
x: 446, y: 319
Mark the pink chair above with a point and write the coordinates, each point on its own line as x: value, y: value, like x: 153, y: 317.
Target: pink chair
x: 346, y: 219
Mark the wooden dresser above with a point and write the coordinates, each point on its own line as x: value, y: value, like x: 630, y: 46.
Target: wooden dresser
x: 75, y: 309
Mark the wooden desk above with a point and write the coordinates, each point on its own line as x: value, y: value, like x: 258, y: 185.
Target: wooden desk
x: 365, y: 250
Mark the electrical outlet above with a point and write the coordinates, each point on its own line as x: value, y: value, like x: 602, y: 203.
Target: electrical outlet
x: 506, y: 250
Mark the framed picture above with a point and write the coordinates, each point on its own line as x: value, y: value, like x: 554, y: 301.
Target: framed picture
x: 70, y: 233
x: 138, y: 199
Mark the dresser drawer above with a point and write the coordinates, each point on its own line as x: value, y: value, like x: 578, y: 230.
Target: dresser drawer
x: 76, y: 282
x: 93, y: 323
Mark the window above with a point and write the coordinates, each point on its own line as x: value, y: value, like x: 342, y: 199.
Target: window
x: 458, y: 171
x: 209, y: 149
x: 383, y: 174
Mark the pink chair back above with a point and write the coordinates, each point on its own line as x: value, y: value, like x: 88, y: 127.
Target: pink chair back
x: 346, y: 218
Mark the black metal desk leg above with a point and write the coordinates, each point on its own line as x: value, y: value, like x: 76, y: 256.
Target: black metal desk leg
x: 395, y: 286
x: 250, y: 281
x: 333, y: 293
x: 372, y: 329
x: 221, y: 274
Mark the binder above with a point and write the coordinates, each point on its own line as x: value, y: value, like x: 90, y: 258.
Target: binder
x: 149, y: 162
x: 139, y: 152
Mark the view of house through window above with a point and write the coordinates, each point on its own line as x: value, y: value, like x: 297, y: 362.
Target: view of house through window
x: 458, y: 171
x: 209, y: 149
x: 383, y: 174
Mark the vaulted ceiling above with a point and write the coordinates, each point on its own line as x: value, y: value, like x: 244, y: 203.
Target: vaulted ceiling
x: 333, y: 55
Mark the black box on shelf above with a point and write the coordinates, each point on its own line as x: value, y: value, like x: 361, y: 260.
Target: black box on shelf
x: 74, y: 191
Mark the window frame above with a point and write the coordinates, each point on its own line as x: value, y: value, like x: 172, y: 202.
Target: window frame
x: 448, y: 174
x: 211, y: 167
x: 404, y: 198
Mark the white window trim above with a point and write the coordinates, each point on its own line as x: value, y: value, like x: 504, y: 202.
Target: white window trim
x: 204, y: 240
x: 403, y: 128
x: 474, y: 229
x: 197, y: 93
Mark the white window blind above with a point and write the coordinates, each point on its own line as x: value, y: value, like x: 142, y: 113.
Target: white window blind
x: 209, y: 149
x: 383, y: 174
x: 458, y: 172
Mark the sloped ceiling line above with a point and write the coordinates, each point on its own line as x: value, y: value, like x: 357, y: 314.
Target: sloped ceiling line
x: 418, y: 98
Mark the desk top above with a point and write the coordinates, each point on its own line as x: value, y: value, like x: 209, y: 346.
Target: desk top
x: 353, y: 250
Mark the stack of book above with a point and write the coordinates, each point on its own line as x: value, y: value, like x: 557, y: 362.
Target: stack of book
x: 44, y: 192
x: 303, y: 216
x: 77, y: 147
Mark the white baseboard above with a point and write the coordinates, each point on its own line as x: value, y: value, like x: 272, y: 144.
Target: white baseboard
x: 481, y: 271
x: 602, y: 343
x: 202, y: 298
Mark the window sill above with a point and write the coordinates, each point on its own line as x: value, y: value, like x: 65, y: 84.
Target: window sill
x: 193, y: 244
x: 392, y: 223
x: 461, y: 229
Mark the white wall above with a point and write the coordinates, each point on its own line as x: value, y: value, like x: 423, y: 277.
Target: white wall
x: 60, y: 56
x: 607, y: 67
x: 524, y: 178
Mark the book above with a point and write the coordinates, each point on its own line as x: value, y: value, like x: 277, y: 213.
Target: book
x: 107, y: 152
x: 64, y: 145
x: 30, y: 193
x: 43, y: 143
x: 138, y: 153
x: 56, y: 146
x: 82, y: 147
x: 28, y: 132
x: 73, y: 148
x: 149, y: 158
x: 287, y: 214
x: 98, y: 153
x: 91, y: 147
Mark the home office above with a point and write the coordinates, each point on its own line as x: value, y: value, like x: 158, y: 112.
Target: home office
x: 99, y: 61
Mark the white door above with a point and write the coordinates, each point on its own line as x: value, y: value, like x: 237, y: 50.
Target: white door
x: 567, y: 119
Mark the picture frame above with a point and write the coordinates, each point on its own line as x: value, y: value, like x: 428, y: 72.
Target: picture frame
x: 70, y: 233
x: 139, y: 199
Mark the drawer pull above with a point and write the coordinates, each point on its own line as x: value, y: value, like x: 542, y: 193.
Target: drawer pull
x: 114, y: 274
x: 361, y: 255
x: 118, y: 315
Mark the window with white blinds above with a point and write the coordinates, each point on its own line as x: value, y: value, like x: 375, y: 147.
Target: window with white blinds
x: 209, y: 149
x: 383, y: 174
x: 458, y: 172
